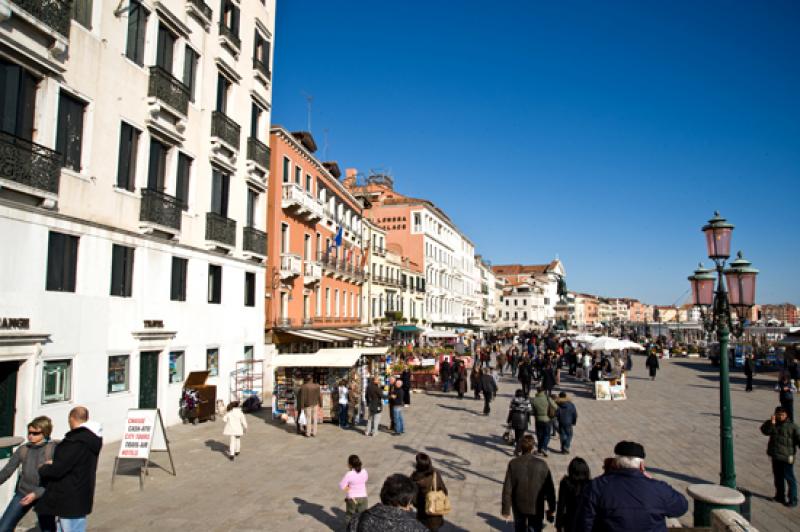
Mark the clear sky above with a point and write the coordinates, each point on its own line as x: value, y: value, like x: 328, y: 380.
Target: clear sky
x: 606, y: 133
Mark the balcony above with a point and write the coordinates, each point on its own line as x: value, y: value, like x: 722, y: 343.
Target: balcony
x: 167, y: 89
x: 284, y: 322
x: 230, y: 39
x: 160, y: 212
x: 254, y: 242
x: 258, y: 152
x: 34, y: 169
x: 53, y: 13
x: 262, y: 71
x: 381, y: 252
x: 303, y: 204
x: 221, y: 231
x: 225, y: 129
x: 291, y: 265
x: 312, y: 272
x: 201, y: 11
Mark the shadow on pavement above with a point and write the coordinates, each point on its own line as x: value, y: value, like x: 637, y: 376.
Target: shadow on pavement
x: 678, y: 476
x: 334, y: 520
x: 716, y: 414
x: 494, y: 522
x: 454, y: 467
x: 217, y: 446
x: 467, y: 410
x: 493, y: 442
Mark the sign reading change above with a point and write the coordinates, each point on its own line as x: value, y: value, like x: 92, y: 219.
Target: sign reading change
x: 144, y: 433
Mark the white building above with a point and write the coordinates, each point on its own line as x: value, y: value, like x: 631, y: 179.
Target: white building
x: 489, y: 293
x: 132, y: 206
x: 530, y: 294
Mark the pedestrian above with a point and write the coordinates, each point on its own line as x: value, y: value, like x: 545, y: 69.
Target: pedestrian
x: 474, y: 381
x: 544, y: 410
x: 310, y: 401
x: 423, y: 476
x: 587, y: 366
x: 343, y: 404
x: 527, y: 486
x: 235, y: 427
x: 392, y: 513
x: 374, y: 397
x: 392, y: 381
x: 444, y: 375
x: 567, y: 417
x: 626, y: 497
x: 488, y: 387
x: 652, y: 364
x: 519, y: 417
x: 784, y: 439
x: 461, y: 379
x: 549, y: 377
x: 354, y: 484
x: 513, y: 360
x: 396, y: 402
x: 500, y: 362
x: 794, y: 372
x: 569, y: 494
x: 749, y: 370
x: 28, y: 458
x: 69, y: 480
x: 786, y: 391
x: 524, y: 375
x: 406, y: 378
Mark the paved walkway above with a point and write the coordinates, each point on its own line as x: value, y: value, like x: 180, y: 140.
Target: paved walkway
x: 287, y: 482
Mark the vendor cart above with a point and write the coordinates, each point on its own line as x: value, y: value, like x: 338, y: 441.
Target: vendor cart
x: 204, y: 398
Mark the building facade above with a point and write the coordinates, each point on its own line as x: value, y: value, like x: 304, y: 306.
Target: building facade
x: 133, y: 202
x: 539, y: 284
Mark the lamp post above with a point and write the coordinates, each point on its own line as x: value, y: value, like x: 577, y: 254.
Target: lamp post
x: 740, y: 295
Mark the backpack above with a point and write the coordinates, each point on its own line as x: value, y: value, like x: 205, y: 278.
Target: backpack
x: 552, y: 408
x: 436, y: 502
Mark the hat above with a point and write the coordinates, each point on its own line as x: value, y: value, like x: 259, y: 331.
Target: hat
x: 629, y: 448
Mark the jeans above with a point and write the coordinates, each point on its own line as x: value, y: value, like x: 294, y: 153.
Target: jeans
x: 72, y: 524
x: 445, y: 384
x: 15, y: 512
x: 342, y: 416
x: 783, y: 473
x: 374, y: 423
x: 397, y: 414
x: 527, y: 522
x: 565, y: 435
x: 542, y: 435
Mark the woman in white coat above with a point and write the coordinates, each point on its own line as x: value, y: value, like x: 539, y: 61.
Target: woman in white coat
x: 235, y: 427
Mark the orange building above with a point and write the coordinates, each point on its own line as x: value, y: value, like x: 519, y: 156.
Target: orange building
x: 313, y: 285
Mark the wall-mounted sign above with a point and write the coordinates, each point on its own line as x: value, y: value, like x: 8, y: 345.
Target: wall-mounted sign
x: 15, y: 323
x: 153, y: 324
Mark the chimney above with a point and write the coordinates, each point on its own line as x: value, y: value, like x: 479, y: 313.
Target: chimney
x: 350, y: 178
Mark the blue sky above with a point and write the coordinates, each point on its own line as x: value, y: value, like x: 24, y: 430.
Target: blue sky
x: 606, y: 133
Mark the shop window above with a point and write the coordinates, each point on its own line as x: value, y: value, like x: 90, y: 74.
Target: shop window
x: 176, y: 363
x: 62, y: 262
x: 212, y: 361
x: 118, y: 366
x: 56, y: 381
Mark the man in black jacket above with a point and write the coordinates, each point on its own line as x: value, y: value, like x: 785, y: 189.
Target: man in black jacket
x: 488, y: 387
x: 69, y: 480
x: 749, y: 370
x: 528, y: 484
x: 374, y: 406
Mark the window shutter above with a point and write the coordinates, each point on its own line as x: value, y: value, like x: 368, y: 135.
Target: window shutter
x: 55, y: 258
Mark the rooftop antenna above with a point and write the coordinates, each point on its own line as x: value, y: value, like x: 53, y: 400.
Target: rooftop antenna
x: 309, y: 100
x: 325, y: 144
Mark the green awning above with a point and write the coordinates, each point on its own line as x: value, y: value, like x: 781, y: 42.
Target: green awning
x: 407, y: 328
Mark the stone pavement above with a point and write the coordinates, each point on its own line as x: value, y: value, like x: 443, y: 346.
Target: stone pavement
x: 283, y: 481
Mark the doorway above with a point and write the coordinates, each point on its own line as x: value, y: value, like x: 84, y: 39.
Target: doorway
x: 148, y: 379
x: 8, y: 401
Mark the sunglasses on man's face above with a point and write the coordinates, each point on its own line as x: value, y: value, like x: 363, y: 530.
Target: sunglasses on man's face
x: 34, y: 432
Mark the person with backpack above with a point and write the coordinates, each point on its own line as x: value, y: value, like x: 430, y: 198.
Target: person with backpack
x: 427, y: 479
x: 519, y: 417
x: 544, y: 410
x: 28, y: 457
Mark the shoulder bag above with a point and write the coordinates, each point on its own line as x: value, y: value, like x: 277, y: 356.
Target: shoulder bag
x: 436, y: 502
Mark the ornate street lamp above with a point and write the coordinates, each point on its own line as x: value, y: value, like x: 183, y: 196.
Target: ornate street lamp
x: 715, y: 309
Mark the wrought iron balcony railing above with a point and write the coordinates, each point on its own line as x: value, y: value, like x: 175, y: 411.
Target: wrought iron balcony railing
x: 161, y: 209
x: 28, y: 163
x: 262, y: 68
x: 169, y: 89
x: 220, y: 229
x: 233, y: 38
x: 258, y: 152
x: 254, y: 240
x: 54, y: 13
x: 226, y: 129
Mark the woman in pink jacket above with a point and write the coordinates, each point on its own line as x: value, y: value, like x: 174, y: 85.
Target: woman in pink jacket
x: 354, y: 483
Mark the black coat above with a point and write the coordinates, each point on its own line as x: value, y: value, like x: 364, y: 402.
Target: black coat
x: 487, y: 386
x: 569, y: 496
x: 548, y: 379
x: 69, y: 480
x: 374, y: 397
x: 528, y: 484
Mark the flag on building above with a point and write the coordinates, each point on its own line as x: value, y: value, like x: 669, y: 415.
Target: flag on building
x: 338, y: 238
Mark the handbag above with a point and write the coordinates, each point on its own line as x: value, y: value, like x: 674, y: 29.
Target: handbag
x: 436, y: 502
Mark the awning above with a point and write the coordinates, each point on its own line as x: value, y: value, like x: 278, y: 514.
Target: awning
x: 408, y: 328
x: 439, y: 334
x: 316, y: 335
x: 344, y: 357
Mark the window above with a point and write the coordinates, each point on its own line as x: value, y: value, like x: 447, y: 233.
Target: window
x: 212, y: 361
x: 220, y: 186
x: 157, y: 171
x: 285, y: 169
x: 223, y: 90
x: 309, y: 184
x: 121, y: 270
x: 248, y: 352
x: 547, y: 301
x: 249, y: 289
x: 128, y: 148
x: 190, y: 62
x: 118, y: 366
x: 137, y: 26
x: 284, y: 238
x: 81, y: 13
x: 255, y: 119
x: 182, y: 180
x: 176, y: 363
x: 56, y: 381
x: 178, y: 281
x: 252, y: 205
x: 69, y: 136
x: 17, y: 100
x: 298, y: 175
x: 62, y: 262
x: 261, y: 52
x: 229, y: 17
x: 214, y: 284
x: 165, y: 48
